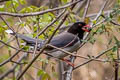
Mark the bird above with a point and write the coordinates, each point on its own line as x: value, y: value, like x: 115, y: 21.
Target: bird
x: 68, y: 40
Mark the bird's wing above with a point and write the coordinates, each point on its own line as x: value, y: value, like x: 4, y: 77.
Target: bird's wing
x: 64, y: 40
x: 28, y: 40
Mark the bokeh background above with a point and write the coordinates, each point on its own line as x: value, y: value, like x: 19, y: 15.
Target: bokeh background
x: 94, y: 70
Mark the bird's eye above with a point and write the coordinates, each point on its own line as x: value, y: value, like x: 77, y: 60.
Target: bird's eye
x: 79, y: 24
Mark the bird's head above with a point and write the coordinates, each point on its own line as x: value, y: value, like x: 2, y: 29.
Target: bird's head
x: 79, y: 28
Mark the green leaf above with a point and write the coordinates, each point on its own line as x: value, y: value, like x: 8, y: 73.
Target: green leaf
x: 101, y: 29
x: 1, y: 29
x: 15, y: 3
x: 51, y: 14
x: 118, y: 2
x: 29, y: 9
x: 7, y: 4
x: 46, y: 77
x: 110, y: 41
x: 94, y: 21
x: 103, y: 26
x: 87, y: 20
x: 40, y: 72
x: 117, y: 41
x: 22, y: 2
x: 64, y: 1
x: 84, y: 40
x: 42, y: 36
x: 2, y: 7
x: 92, y: 40
x: 114, y: 48
x: 111, y: 16
x: 23, y: 10
x: 26, y: 48
x: 22, y: 24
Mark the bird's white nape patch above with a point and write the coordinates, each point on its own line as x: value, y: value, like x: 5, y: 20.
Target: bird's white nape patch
x: 9, y: 31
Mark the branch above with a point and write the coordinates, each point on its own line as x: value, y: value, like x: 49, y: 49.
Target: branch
x: 6, y: 23
x: 39, y: 13
x: 13, y: 68
x: 111, y: 21
x: 10, y: 58
x: 10, y: 40
x: 8, y: 45
x: 70, y: 69
x: 100, y: 54
x: 94, y: 14
x: 86, y: 9
x: 14, y: 47
x: 72, y: 54
x: 4, y: 0
x: 43, y: 30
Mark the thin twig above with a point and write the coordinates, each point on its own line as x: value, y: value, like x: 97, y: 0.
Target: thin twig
x: 72, y: 54
x: 94, y: 14
x: 8, y: 45
x: 10, y: 58
x: 13, y: 68
x: 6, y: 23
x: 43, y: 30
x: 86, y: 9
x: 14, y: 47
x: 111, y: 21
x: 3, y: 1
x: 10, y: 40
x: 99, y: 55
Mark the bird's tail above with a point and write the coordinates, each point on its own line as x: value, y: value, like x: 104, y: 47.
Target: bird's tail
x: 29, y: 41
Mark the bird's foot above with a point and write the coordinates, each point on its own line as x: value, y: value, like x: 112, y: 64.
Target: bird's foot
x: 68, y: 62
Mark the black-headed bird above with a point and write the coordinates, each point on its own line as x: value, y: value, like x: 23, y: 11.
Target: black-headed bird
x: 69, y: 40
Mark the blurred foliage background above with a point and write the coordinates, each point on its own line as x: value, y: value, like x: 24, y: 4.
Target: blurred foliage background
x: 102, y: 37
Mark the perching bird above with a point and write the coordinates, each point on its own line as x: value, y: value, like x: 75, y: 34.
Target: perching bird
x: 69, y: 40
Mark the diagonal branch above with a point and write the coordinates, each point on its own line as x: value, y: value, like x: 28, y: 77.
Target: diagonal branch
x: 43, y: 30
x: 10, y: 58
x: 13, y: 68
x: 86, y: 9
x: 100, y: 54
x: 3, y: 1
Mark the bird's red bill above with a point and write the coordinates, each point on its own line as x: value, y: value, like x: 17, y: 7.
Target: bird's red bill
x: 86, y: 28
